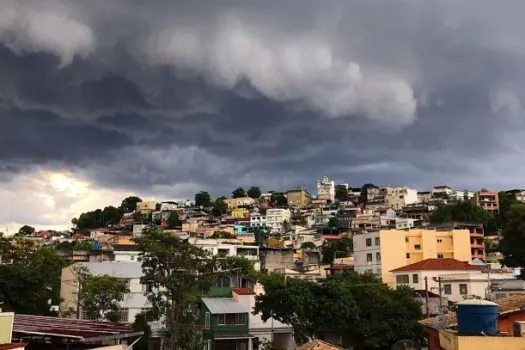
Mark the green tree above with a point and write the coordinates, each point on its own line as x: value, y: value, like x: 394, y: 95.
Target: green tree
x: 100, y: 295
x: 141, y: 325
x: 261, y: 235
x: 333, y: 221
x: 279, y: 200
x: 238, y: 193
x: 129, y: 204
x: 511, y: 245
x: 26, y: 230
x: 364, y: 192
x: 338, y: 248
x: 506, y: 201
x: 178, y: 274
x: 31, y: 280
x: 341, y: 193
x: 237, y: 265
x: 219, y: 207
x: 464, y: 212
x: 173, y: 220
x: 223, y: 235
x: 98, y: 218
x: 202, y: 199
x: 254, y: 192
x: 308, y: 245
x: 364, y: 311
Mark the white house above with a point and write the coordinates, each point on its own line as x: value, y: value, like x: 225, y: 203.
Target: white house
x: 216, y: 247
x: 257, y: 220
x: 367, y: 253
x: 276, y: 217
x: 400, y: 197
x: 125, y: 252
x: 326, y: 189
x: 138, y: 230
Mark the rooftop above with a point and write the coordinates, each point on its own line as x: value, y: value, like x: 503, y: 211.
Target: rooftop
x: 121, y: 269
x: 243, y: 291
x: 317, y: 344
x: 438, y: 265
x: 224, y: 306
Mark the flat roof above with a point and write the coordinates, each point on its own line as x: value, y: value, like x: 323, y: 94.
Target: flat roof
x: 81, y: 330
x: 224, y: 306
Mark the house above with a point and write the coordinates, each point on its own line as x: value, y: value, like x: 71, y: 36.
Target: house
x: 399, y: 197
x: 242, y: 202
x: 6, y: 332
x: 442, y: 191
x: 385, y: 250
x: 146, y: 207
x: 477, y: 234
x: 225, y: 324
x: 518, y: 194
x: 275, y: 219
x: 487, y: 200
x: 458, y: 279
x: 134, y: 302
x: 125, y: 252
x: 326, y: 190
x: 257, y: 220
x: 225, y: 248
x: 298, y: 198
x: 317, y: 344
x: 423, y: 197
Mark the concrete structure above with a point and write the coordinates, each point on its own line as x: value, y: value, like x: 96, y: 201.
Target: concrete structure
x: 477, y: 243
x: 146, y: 207
x: 518, y: 194
x: 134, y: 302
x: 257, y: 220
x: 298, y: 198
x: 225, y: 248
x: 460, y: 196
x: 451, y: 340
x: 243, y: 202
x: 399, y: 197
x: 487, y: 200
x: 168, y: 206
x: 442, y: 191
x: 424, y: 197
x: 275, y: 219
x: 382, y: 251
x: 125, y: 252
x: 326, y: 189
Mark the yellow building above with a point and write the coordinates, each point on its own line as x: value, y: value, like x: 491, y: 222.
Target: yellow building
x: 240, y: 213
x: 382, y: 251
x: 146, y: 207
x: 450, y: 340
x: 243, y: 202
x: 298, y: 198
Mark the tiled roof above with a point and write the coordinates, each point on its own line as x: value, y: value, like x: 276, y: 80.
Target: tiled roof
x: 243, y: 291
x: 505, y: 306
x: 317, y: 344
x: 438, y: 265
x: 12, y: 346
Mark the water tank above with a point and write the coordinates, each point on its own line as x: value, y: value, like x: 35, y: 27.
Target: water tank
x: 477, y: 317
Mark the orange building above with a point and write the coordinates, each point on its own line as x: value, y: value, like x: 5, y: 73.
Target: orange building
x: 487, y: 200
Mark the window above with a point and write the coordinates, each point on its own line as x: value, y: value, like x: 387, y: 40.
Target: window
x: 122, y: 315
x: 402, y: 279
x: 378, y: 256
x: 224, y: 319
x: 369, y: 257
x: 408, y: 255
x: 439, y: 240
x: 440, y: 256
x: 369, y: 242
x: 415, y: 278
x: 417, y: 246
x: 377, y: 241
x: 207, y: 320
x: 463, y: 289
x: 406, y: 239
x: 132, y: 257
x: 447, y: 289
x: 146, y: 311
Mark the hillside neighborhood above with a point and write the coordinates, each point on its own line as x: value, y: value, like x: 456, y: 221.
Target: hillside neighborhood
x: 270, y: 270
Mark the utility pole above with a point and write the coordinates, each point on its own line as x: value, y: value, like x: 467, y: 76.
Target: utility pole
x: 489, y: 287
x: 426, y: 296
x: 440, y: 295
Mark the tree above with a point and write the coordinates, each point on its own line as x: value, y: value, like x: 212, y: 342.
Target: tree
x: 339, y: 248
x: 279, y: 200
x: 464, y: 212
x: 173, y: 220
x: 333, y: 221
x: 178, y: 273
x: 287, y: 226
x: 364, y: 311
x: 202, y: 199
x: 98, y: 218
x: 341, y: 193
x: 364, y: 192
x: 31, y: 280
x: 238, y: 193
x: 261, y: 235
x: 254, y: 192
x: 506, y: 201
x: 308, y: 245
x: 511, y: 245
x: 129, y: 204
x: 141, y: 325
x: 223, y: 235
x: 219, y: 207
x: 26, y: 230
x: 100, y: 295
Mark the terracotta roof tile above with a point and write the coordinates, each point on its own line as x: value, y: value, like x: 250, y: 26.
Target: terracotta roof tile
x: 317, y: 344
x: 243, y: 291
x: 438, y: 265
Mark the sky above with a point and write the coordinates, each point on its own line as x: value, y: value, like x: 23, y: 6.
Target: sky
x: 162, y: 99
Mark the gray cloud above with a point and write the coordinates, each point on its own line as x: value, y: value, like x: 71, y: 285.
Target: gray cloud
x: 172, y: 97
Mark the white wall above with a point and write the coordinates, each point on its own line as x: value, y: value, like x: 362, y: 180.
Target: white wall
x: 126, y: 255
x: 361, y: 250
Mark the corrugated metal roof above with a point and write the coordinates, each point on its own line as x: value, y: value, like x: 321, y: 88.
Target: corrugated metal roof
x: 121, y: 269
x: 224, y: 306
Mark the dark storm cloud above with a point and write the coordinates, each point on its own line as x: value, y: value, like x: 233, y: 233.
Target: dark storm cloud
x: 145, y: 97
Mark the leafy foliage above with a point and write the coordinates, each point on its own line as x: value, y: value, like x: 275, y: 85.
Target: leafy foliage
x: 340, y: 248
x: 254, y: 192
x: 31, y: 280
x: 464, y: 212
x: 202, y: 199
x: 74, y: 245
x: 26, y: 230
x: 308, y: 245
x: 261, y: 235
x: 129, y: 204
x: 506, y: 201
x: 333, y: 221
x: 141, y: 325
x: 100, y: 295
x: 98, y: 218
x: 364, y: 192
x: 173, y: 220
x: 279, y: 200
x: 238, y: 193
x: 223, y: 235
x: 341, y: 193
x: 219, y: 207
x: 511, y: 246
x: 359, y: 307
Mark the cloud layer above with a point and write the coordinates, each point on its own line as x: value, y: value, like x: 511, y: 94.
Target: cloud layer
x: 166, y: 98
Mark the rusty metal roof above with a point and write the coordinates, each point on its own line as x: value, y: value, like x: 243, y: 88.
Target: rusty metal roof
x: 67, y: 328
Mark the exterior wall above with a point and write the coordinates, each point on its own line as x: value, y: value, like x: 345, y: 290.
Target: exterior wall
x: 276, y: 217
x: 489, y: 201
x: 257, y: 220
x: 326, y: 189
x: 400, y: 248
x: 451, y: 341
x: 234, y: 203
x: 298, y: 198
x: 6, y: 327
x: 146, y: 206
x: 399, y: 197
x: 126, y: 255
x: 278, y: 258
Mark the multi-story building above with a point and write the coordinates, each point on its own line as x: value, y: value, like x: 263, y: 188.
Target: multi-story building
x: 375, y: 196
x: 424, y: 197
x: 146, y: 207
x: 518, y: 194
x: 460, y: 196
x: 367, y: 220
x: 382, y: 251
x: 487, y: 200
x: 228, y: 248
x: 442, y: 191
x: 298, y: 198
x: 243, y: 202
x: 399, y: 197
x: 257, y: 220
x: 275, y: 219
x: 168, y: 206
x: 326, y: 189
x: 477, y: 242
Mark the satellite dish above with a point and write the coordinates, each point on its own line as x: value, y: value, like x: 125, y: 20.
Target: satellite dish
x: 405, y: 344
x: 440, y: 322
